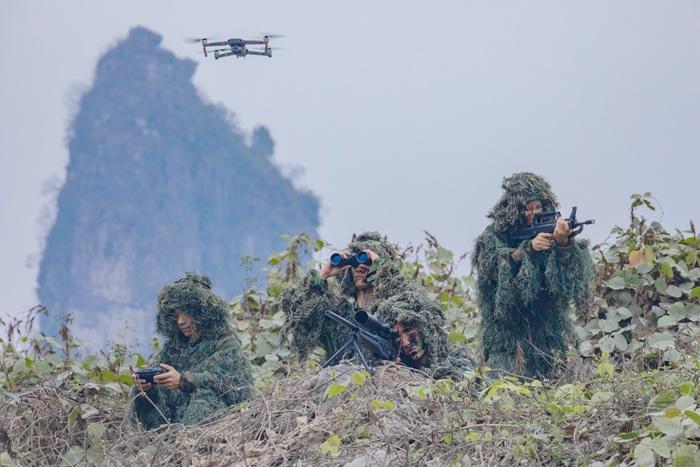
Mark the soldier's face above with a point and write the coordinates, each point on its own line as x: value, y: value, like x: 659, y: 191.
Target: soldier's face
x: 411, y: 341
x: 359, y: 276
x: 185, y: 323
x: 533, y: 207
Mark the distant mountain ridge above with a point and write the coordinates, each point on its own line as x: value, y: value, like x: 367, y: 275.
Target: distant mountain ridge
x: 158, y: 183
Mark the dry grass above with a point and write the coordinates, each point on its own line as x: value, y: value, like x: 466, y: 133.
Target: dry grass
x: 289, y: 420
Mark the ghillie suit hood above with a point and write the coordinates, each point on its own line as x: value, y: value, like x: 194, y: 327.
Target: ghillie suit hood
x: 193, y: 295
x: 394, y: 297
x: 412, y: 307
x: 518, y: 189
x: 524, y: 304
x: 214, y: 372
x: 388, y: 257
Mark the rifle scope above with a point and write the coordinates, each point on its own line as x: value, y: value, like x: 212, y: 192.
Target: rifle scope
x: 375, y: 325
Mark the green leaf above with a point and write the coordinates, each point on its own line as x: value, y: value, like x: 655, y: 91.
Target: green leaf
x: 666, y: 269
x: 660, y: 446
x: 686, y: 456
x: 623, y: 312
x: 686, y: 389
x: 6, y: 460
x: 644, y: 455
x: 140, y: 361
x: 318, y: 246
x: 616, y: 283
x: 389, y: 405
x: 672, y: 355
x: 665, y: 399
x: 274, y: 259
x: 695, y: 293
x: 671, y: 427
x: 629, y: 436
x: 674, y: 291
x: 267, y: 323
x: 606, y: 344
x: 554, y: 409
x: 609, y: 325
x: 73, y: 415
x: 456, y: 337
x: 376, y: 404
x: 685, y: 402
x: 72, y: 457
x: 334, y: 389
x: 331, y: 446
x: 360, y: 377
x: 661, y: 340
x: 620, y: 342
x: 95, y: 432
x: 660, y: 285
x: 41, y: 367
x: 693, y: 415
x: 666, y: 321
x: 87, y: 411
x: 601, y: 396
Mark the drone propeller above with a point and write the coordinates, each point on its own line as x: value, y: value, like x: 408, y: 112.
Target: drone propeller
x: 270, y: 48
x: 265, y: 35
x: 212, y: 37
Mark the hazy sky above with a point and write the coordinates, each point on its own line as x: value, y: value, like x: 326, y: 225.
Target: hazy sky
x: 403, y: 115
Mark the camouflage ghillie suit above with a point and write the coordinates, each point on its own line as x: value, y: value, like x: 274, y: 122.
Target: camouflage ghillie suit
x: 395, y: 298
x: 214, y: 371
x: 525, y: 304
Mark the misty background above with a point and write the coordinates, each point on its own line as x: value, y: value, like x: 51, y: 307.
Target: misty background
x: 400, y: 117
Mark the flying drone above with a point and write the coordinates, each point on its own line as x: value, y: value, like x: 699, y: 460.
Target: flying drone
x: 237, y: 47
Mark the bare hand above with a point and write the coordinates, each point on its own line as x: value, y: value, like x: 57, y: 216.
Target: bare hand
x: 168, y: 380
x: 141, y: 384
x: 562, y: 232
x: 542, y: 242
x: 373, y: 256
x: 328, y: 270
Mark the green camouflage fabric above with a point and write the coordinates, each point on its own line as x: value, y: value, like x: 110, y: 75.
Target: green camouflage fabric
x: 525, y: 305
x: 395, y: 298
x: 215, y: 372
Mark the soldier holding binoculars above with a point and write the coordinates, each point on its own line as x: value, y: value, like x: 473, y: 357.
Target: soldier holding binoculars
x: 366, y: 275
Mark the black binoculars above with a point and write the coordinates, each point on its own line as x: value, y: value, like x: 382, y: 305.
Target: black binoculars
x: 353, y: 260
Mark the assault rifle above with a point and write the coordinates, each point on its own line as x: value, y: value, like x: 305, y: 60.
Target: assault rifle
x: 371, y: 332
x: 544, y: 222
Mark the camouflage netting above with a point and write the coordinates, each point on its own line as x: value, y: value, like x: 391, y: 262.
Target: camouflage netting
x: 525, y: 324
x: 215, y: 372
x: 394, y: 299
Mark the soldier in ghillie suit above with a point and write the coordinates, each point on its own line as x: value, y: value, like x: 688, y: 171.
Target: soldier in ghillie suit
x: 206, y: 370
x: 381, y: 290
x: 525, y: 289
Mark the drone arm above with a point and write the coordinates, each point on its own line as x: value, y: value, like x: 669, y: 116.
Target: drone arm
x: 267, y: 52
x: 214, y: 44
x: 218, y: 55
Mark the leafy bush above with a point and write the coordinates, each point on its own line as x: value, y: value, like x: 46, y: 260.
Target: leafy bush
x: 647, y: 293
x: 632, y: 400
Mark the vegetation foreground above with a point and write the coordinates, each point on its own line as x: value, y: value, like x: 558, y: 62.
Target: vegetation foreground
x: 629, y: 395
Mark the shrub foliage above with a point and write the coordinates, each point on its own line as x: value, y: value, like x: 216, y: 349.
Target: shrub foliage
x: 630, y: 395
